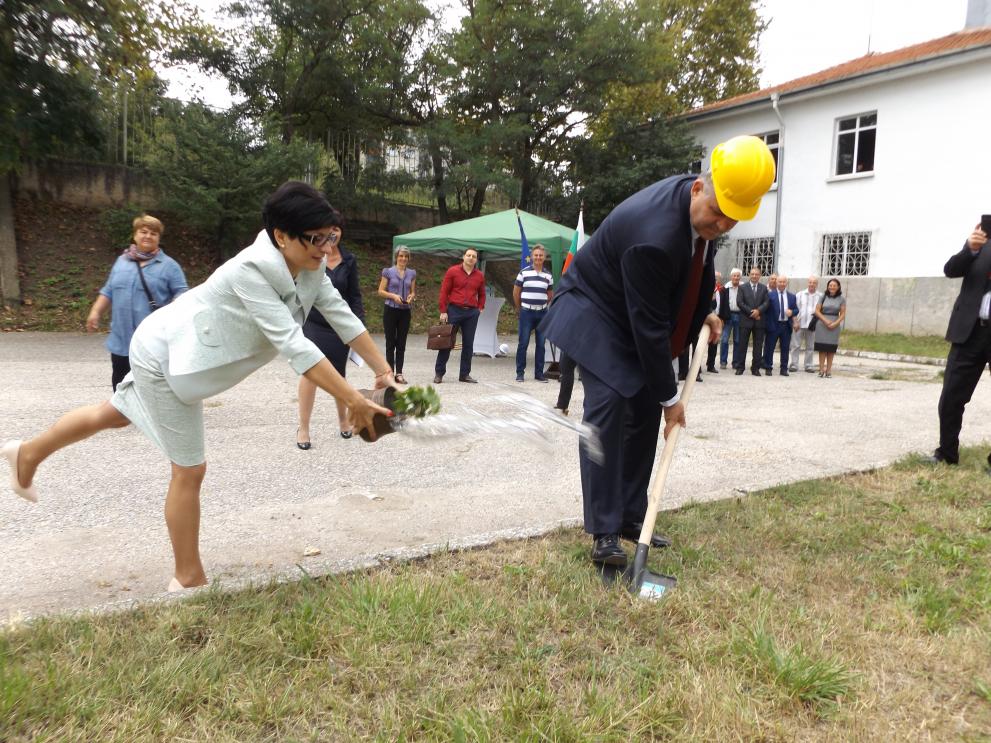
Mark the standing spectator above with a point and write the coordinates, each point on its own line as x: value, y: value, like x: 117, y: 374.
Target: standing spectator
x: 753, y: 302
x: 342, y: 269
x: 710, y: 361
x: 969, y: 332
x: 808, y: 300
x: 633, y: 298
x: 532, y: 293
x: 398, y: 288
x: 142, y: 279
x: 783, y: 308
x: 461, y: 301
x: 830, y: 311
x: 730, y: 303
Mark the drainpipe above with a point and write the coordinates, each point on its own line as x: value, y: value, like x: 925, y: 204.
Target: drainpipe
x: 781, y: 161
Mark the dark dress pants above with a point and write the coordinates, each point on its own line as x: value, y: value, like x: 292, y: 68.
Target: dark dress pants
x: 567, y: 366
x: 779, y: 333
x: 964, y: 366
x: 395, y: 322
x: 614, y: 491
x: 121, y: 365
x: 758, y: 352
x: 466, y: 320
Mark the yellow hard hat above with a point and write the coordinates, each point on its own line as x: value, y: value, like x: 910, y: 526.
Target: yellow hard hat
x: 742, y: 172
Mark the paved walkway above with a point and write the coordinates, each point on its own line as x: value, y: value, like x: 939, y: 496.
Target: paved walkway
x: 98, y: 537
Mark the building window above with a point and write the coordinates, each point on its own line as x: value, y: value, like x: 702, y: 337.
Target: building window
x: 755, y: 251
x: 855, y: 140
x: 845, y: 254
x: 773, y: 141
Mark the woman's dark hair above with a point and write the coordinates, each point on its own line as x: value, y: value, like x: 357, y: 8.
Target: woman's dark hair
x: 297, y: 207
x: 839, y: 288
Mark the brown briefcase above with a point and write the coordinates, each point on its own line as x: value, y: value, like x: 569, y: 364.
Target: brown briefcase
x: 441, y: 337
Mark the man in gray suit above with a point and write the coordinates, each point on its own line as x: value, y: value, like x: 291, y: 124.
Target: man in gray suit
x: 753, y: 302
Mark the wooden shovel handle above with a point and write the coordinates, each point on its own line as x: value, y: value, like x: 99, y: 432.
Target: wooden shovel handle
x: 661, y: 476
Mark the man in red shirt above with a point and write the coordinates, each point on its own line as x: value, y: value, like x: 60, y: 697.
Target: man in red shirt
x: 462, y: 299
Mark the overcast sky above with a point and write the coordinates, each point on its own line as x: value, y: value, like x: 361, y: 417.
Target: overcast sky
x: 804, y: 36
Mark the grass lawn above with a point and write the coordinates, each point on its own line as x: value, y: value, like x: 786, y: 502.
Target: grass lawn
x: 909, y: 345
x: 854, y: 608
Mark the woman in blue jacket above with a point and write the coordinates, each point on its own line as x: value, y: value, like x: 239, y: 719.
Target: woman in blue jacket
x: 142, y: 279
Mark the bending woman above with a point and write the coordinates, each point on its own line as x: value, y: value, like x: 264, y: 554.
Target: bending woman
x: 342, y: 268
x: 398, y: 288
x: 248, y: 312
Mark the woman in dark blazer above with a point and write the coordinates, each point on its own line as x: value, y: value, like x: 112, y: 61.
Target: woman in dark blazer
x: 342, y: 269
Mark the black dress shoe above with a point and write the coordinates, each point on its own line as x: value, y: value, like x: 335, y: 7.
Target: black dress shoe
x: 632, y: 534
x: 784, y: 373
x: 937, y: 458
x: 438, y: 379
x: 738, y: 372
x: 469, y: 379
x: 767, y: 372
x: 711, y: 370
x: 755, y: 372
x: 304, y: 445
x: 698, y: 378
x: 606, y: 550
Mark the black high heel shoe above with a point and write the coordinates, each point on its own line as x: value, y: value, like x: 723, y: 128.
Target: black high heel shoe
x: 304, y: 445
x: 346, y: 434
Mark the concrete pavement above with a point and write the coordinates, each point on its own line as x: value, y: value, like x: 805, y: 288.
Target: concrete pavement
x: 97, y: 537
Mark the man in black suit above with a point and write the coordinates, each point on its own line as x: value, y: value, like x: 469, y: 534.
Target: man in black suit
x: 636, y: 294
x: 970, y: 333
x: 753, y: 301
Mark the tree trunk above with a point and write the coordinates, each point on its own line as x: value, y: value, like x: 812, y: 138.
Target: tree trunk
x: 478, y: 201
x: 438, y: 183
x: 10, y: 285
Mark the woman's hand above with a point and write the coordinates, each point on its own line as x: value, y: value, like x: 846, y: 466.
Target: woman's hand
x: 386, y: 379
x: 396, y: 298
x: 92, y: 323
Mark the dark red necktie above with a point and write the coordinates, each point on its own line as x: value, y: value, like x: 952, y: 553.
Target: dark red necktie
x: 689, y: 301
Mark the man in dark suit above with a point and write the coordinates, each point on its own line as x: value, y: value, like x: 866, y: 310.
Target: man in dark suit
x: 753, y: 303
x: 636, y: 294
x: 970, y: 333
x: 780, y: 315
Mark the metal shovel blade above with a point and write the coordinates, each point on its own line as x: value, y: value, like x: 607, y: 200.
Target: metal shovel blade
x: 645, y: 583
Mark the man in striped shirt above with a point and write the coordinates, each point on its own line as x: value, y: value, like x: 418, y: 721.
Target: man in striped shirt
x: 531, y: 295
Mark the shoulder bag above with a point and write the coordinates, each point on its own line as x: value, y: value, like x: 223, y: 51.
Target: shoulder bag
x: 151, y: 297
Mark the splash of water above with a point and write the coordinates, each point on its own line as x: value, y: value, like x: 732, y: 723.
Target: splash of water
x: 531, y: 420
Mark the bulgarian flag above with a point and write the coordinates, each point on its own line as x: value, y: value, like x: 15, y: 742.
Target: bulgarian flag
x: 577, y: 241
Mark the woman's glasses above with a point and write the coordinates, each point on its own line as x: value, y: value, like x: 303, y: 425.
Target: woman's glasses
x: 318, y: 241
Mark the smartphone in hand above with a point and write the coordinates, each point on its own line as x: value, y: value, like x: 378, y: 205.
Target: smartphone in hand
x: 986, y: 224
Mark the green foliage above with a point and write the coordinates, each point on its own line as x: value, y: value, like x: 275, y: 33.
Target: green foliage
x: 417, y: 401
x: 216, y: 171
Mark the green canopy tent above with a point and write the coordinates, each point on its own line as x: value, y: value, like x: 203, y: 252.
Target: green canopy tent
x: 495, y: 236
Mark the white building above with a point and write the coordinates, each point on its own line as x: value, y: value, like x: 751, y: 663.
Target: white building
x: 884, y: 166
